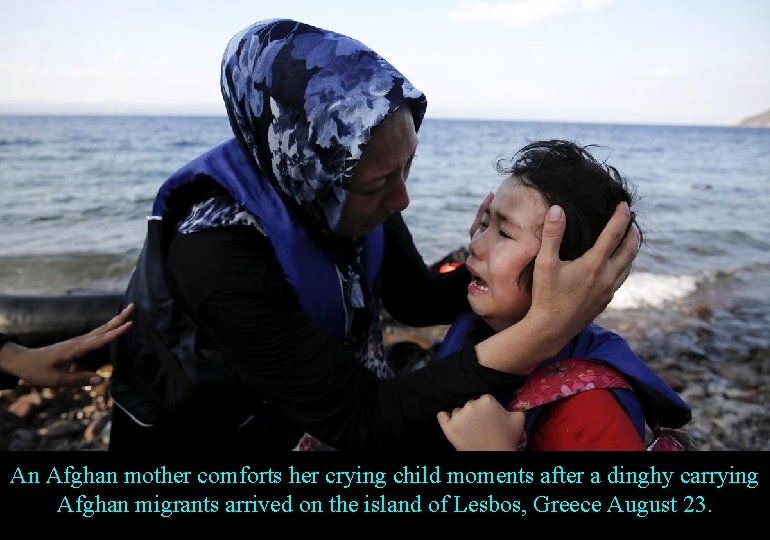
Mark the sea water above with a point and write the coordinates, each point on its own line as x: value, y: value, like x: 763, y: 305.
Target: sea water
x: 76, y: 192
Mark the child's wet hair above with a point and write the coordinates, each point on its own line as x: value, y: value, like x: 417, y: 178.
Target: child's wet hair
x: 587, y: 189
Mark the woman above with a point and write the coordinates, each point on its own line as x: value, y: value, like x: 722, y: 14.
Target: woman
x: 259, y: 286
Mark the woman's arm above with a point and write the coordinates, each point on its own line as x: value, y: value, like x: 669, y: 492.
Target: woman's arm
x: 230, y: 283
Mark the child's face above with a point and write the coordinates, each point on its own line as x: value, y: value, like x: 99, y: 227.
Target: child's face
x: 508, y: 239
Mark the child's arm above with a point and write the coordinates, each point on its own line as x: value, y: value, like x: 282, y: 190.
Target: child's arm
x: 482, y: 424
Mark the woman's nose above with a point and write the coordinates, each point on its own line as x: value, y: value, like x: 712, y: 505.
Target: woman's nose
x: 397, y: 197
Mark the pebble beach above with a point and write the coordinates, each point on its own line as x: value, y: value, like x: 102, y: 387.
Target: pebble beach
x: 716, y: 363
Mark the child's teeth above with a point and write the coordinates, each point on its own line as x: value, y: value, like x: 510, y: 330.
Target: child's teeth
x: 480, y: 286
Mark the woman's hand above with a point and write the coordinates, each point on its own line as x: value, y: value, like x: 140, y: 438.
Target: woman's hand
x: 568, y: 295
x: 49, y: 366
x: 480, y: 213
x: 482, y: 424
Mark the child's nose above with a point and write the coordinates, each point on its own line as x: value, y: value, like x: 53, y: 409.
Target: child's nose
x: 475, y: 246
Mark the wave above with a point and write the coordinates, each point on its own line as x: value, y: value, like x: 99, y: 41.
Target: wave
x: 21, y: 141
x: 184, y: 143
x: 644, y: 289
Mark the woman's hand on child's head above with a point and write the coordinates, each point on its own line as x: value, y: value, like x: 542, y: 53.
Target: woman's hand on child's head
x: 568, y: 295
x: 482, y: 424
x: 480, y: 213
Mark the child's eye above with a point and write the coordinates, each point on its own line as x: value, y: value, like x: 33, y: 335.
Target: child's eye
x: 504, y: 234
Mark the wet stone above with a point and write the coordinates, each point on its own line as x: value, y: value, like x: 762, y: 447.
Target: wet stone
x: 62, y: 428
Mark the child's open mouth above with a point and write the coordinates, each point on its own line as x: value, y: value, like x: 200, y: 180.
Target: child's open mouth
x: 479, y: 284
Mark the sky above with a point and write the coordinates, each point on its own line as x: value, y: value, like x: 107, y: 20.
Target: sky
x: 696, y: 62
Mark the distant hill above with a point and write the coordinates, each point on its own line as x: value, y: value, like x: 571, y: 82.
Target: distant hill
x: 759, y: 120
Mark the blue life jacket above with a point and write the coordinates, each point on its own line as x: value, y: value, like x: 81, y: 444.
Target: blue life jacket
x: 306, y: 265
x: 159, y: 364
x: 652, y: 401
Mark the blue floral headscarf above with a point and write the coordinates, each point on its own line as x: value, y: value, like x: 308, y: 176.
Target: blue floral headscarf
x: 304, y: 102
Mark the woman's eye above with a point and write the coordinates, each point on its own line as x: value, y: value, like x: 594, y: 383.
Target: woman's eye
x: 373, y: 189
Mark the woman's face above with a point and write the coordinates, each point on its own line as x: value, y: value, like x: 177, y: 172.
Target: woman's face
x: 507, y: 240
x: 378, y: 187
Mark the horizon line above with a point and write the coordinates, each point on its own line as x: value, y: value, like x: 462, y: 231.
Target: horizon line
x: 441, y: 117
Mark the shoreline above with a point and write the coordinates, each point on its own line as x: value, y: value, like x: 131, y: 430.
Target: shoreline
x: 711, y: 347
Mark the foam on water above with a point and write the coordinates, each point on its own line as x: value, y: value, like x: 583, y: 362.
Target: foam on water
x: 644, y: 289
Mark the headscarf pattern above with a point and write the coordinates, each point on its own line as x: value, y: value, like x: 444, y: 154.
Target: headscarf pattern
x: 304, y: 101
